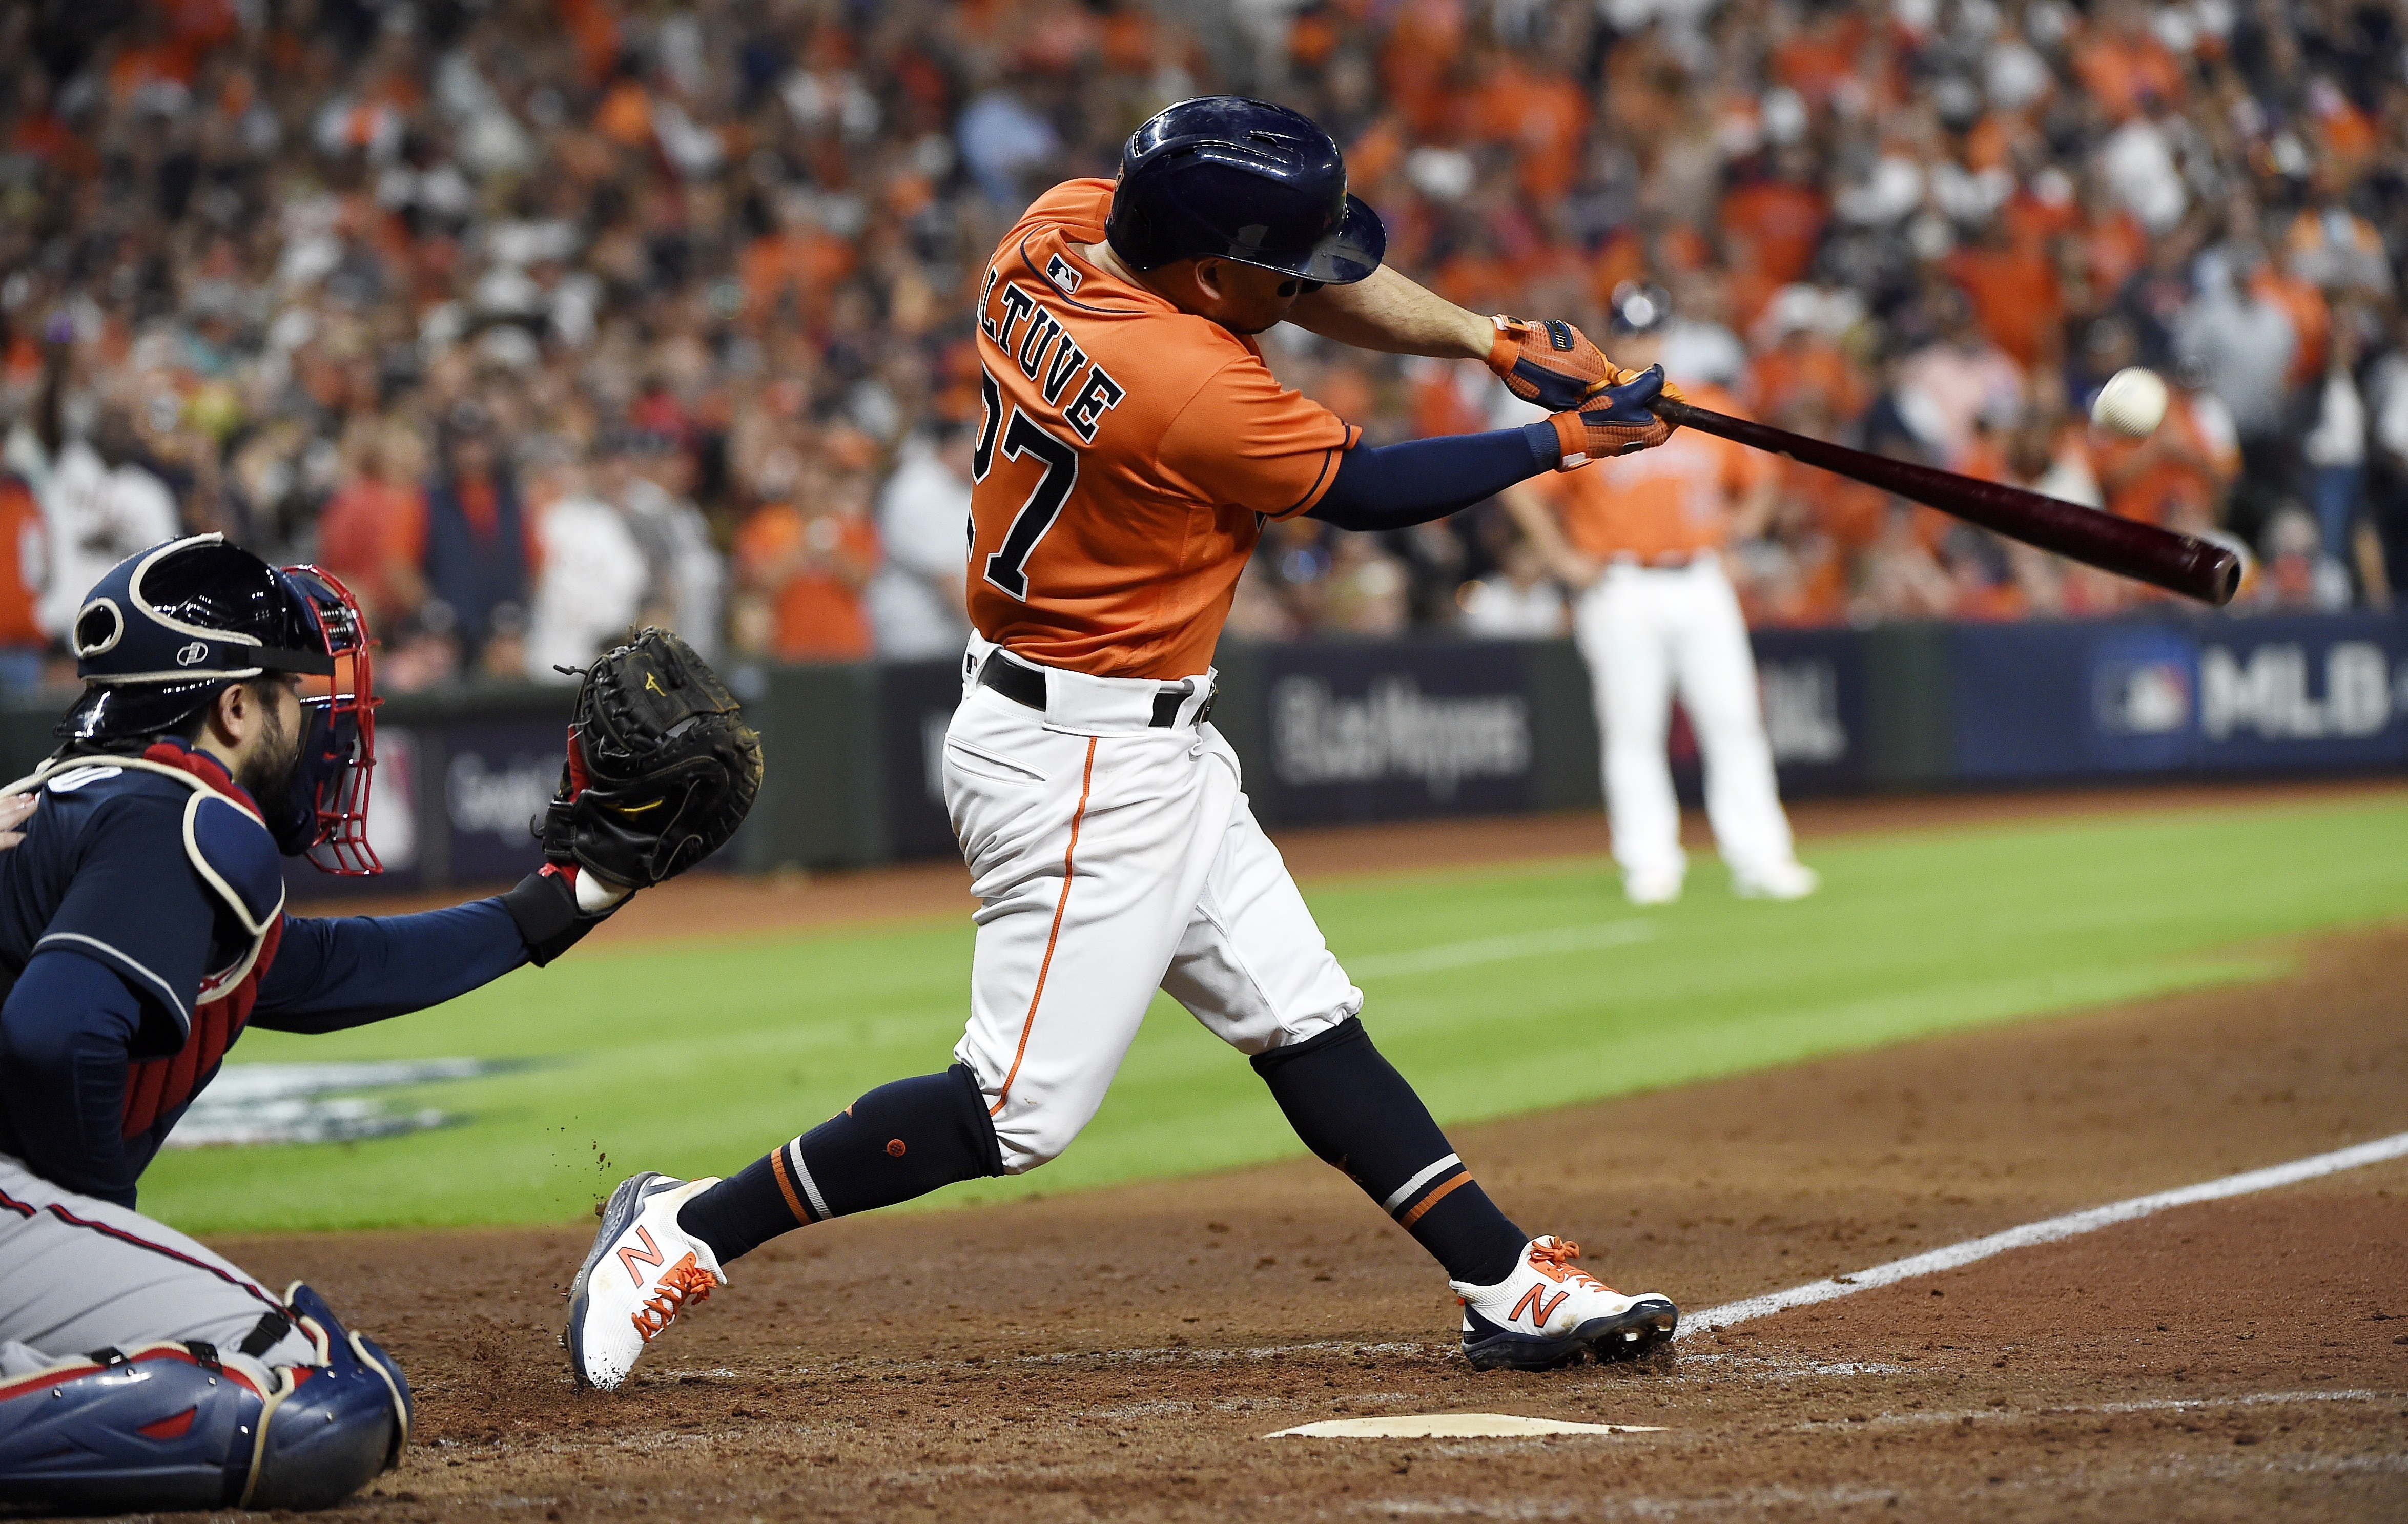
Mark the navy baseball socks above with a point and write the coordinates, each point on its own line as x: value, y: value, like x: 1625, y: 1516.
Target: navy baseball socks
x: 906, y: 1139
x: 664, y: 1242
x: 1355, y: 1113
x: 1525, y: 1306
x: 899, y: 1140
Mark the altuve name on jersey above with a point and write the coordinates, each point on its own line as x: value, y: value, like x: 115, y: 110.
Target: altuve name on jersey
x: 1048, y: 356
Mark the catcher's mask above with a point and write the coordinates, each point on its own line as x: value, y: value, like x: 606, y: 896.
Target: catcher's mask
x: 170, y: 627
x: 338, y: 755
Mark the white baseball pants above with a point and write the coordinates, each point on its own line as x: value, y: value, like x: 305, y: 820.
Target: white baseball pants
x: 1111, y: 859
x: 1647, y: 634
x: 84, y: 1274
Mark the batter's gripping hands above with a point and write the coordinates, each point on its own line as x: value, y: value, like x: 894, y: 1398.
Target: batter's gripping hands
x: 1615, y: 420
x: 661, y: 769
x: 1551, y: 363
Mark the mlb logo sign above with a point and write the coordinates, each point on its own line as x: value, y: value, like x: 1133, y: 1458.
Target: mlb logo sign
x: 2143, y: 697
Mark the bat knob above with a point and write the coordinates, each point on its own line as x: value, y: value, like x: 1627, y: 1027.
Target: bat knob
x: 2220, y: 574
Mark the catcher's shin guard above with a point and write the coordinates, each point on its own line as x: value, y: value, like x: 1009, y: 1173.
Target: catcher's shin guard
x: 332, y: 1427
x: 170, y: 1425
x: 162, y: 1426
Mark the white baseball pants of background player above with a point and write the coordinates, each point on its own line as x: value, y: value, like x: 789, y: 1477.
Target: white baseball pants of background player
x: 1646, y: 634
x: 1112, y: 857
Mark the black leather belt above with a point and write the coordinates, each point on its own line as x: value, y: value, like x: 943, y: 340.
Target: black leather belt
x: 1026, y: 685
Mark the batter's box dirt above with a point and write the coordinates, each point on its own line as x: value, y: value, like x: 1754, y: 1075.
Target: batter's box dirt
x: 1083, y: 1357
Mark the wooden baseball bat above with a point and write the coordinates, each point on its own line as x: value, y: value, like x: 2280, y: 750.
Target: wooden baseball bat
x: 2127, y: 547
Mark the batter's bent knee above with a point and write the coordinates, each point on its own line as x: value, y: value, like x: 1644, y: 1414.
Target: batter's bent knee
x: 1032, y: 1125
x: 1038, y: 1136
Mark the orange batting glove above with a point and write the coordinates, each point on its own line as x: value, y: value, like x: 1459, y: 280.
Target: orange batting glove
x: 1550, y: 363
x: 1614, y: 421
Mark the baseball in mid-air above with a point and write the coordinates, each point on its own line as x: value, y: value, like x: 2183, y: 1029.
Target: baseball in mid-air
x: 2132, y: 402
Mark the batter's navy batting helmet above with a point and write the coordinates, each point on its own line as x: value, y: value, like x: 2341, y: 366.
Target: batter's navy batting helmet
x: 168, y: 628
x: 1244, y: 181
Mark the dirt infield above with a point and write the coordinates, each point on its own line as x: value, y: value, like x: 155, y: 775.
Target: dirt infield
x: 1120, y: 1354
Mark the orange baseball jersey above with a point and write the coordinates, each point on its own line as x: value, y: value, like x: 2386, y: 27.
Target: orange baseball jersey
x: 1128, y: 454
x: 1674, y: 499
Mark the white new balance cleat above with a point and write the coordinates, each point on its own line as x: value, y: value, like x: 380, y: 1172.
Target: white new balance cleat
x: 1777, y: 881
x: 1545, y: 1313
x: 643, y: 1271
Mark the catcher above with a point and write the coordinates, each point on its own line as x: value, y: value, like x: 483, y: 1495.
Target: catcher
x: 227, y: 722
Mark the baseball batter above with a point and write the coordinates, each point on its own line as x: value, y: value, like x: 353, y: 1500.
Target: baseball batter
x: 226, y: 723
x: 1133, y: 444
x: 1641, y: 543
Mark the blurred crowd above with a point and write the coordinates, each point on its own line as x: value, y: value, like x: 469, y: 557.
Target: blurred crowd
x: 533, y: 319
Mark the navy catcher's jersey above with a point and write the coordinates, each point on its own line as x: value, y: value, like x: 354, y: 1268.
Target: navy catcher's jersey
x: 175, y: 889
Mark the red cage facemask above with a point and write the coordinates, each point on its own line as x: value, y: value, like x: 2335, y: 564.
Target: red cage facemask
x: 339, y: 754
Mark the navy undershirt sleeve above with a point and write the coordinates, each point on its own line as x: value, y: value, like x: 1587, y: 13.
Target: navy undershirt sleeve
x: 1397, y: 486
x: 336, y: 971
x: 65, y: 1032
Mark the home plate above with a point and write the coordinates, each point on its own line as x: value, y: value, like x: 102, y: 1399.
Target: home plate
x: 1451, y: 1426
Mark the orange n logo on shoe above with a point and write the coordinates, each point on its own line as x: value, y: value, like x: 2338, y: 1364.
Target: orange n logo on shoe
x: 1536, y: 1299
x: 651, y: 1256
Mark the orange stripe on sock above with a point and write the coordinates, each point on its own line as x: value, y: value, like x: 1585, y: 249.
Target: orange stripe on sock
x: 786, y: 1185
x: 1069, y: 856
x: 1414, y: 1214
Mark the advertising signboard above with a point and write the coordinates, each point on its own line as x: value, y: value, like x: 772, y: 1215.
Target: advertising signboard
x: 1390, y: 730
x: 2273, y: 694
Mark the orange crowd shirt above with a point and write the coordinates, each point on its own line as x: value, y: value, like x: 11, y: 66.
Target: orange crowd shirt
x: 367, y: 528
x: 819, y: 610
x: 2168, y: 488
x: 1128, y: 454
x: 24, y: 561
x: 1675, y: 499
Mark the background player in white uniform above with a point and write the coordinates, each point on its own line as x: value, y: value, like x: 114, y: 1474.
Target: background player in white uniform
x: 1133, y: 442
x: 1643, y: 542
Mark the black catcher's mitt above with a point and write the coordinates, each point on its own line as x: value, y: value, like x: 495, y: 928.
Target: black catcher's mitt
x: 661, y: 769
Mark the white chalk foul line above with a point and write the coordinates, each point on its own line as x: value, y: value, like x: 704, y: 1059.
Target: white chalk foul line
x: 1467, y: 955
x: 2071, y: 1225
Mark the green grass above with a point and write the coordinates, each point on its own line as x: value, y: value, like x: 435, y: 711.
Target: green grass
x: 695, y: 1059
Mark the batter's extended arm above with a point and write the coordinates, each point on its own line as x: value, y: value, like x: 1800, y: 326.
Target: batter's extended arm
x: 1549, y: 362
x: 1391, y: 314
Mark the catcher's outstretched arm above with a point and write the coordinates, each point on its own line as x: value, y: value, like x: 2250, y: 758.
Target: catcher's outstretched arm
x: 333, y: 973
